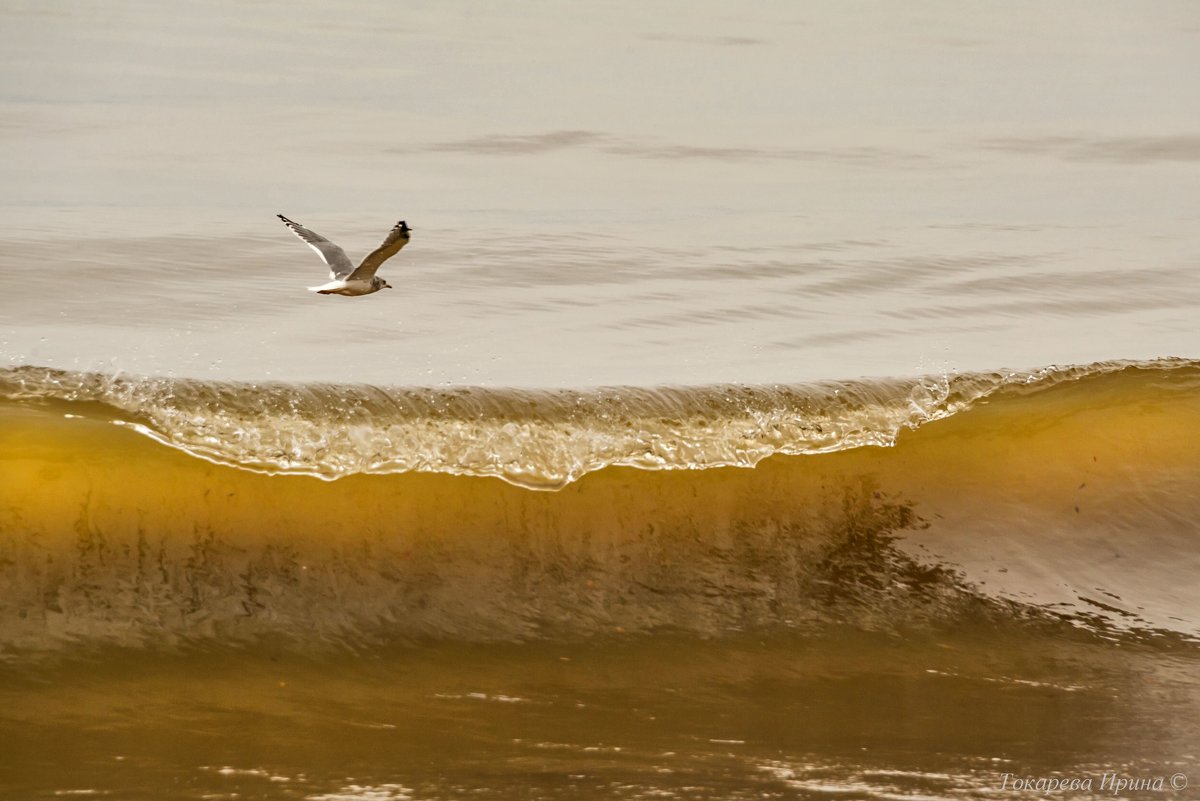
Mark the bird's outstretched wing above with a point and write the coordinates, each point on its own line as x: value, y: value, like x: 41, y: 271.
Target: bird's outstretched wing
x: 396, y: 239
x: 334, y: 256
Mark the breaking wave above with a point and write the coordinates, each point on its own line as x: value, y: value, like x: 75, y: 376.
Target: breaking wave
x: 1068, y: 495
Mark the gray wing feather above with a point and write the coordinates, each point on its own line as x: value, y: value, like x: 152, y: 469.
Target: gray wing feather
x: 397, y: 238
x: 339, y: 263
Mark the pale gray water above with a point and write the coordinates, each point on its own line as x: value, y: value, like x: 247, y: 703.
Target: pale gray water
x: 680, y: 193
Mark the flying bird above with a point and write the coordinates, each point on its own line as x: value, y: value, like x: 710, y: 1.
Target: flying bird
x: 346, y: 278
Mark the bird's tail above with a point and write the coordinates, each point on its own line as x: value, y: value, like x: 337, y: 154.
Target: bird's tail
x: 329, y: 288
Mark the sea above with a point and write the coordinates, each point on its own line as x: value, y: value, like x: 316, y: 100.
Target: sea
x: 776, y: 401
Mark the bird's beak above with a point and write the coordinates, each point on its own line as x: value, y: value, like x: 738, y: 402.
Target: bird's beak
x: 387, y: 286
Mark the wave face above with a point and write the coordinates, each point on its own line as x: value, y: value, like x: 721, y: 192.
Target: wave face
x: 1063, y: 495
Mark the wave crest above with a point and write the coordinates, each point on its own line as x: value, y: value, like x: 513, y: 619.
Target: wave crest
x: 538, y: 439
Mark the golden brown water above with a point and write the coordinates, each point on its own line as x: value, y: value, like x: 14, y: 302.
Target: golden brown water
x: 1007, y: 589
x: 939, y: 716
x: 1092, y: 471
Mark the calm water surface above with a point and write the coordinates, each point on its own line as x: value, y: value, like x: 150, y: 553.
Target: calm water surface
x: 677, y: 193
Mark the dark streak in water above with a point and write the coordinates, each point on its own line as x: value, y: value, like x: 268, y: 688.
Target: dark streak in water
x: 721, y: 41
x: 1116, y: 149
x: 553, y: 141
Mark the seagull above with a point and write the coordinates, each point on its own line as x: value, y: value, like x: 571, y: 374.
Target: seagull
x: 348, y: 279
